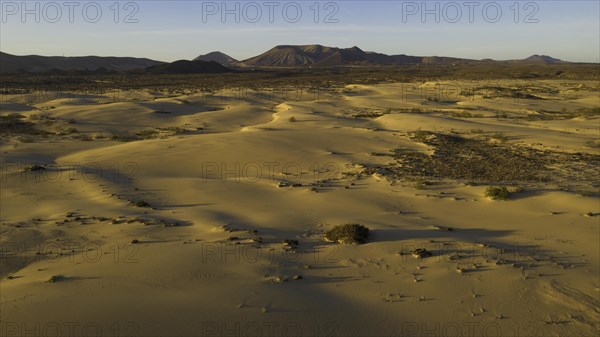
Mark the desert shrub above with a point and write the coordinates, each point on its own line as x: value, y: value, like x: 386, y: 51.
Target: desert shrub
x: 33, y: 168
x: 419, y: 135
x: 348, y: 234
x: 141, y: 203
x: 55, y: 278
x: 497, y: 193
x: 421, y: 253
x: 518, y: 189
x: 593, y: 143
x: 500, y: 137
x: 421, y: 184
x: 289, y: 244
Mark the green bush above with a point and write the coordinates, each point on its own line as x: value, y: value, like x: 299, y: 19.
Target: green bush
x: 497, y: 193
x: 348, y: 234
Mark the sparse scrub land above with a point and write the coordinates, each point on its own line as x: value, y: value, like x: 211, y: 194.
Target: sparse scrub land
x: 479, y: 162
x: 16, y: 124
x: 564, y: 114
x: 495, y: 92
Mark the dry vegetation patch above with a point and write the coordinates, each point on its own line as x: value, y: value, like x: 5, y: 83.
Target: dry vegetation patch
x: 485, y: 161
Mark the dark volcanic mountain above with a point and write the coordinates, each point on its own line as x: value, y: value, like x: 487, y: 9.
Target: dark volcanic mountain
x: 318, y: 56
x: 34, y: 63
x: 291, y: 56
x: 189, y: 67
x: 321, y: 56
x: 219, y: 57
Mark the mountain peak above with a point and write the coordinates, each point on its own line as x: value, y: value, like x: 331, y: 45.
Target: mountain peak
x: 542, y: 58
x: 219, y: 57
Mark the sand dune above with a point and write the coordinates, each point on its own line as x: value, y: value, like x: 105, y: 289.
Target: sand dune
x: 179, y: 205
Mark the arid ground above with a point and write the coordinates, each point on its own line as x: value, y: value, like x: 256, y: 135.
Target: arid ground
x: 147, y: 211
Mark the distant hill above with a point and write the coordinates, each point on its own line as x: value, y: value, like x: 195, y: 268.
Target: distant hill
x: 542, y: 59
x: 219, y: 57
x: 189, y: 67
x: 34, y: 63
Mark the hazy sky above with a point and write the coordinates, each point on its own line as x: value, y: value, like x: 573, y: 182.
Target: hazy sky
x: 171, y: 30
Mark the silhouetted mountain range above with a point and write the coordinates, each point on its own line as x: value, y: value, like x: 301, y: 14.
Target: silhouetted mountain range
x: 34, y: 63
x: 322, y: 56
x: 217, y: 62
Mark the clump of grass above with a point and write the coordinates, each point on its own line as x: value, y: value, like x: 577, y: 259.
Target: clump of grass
x: 291, y: 245
x: 141, y: 203
x: 500, y: 137
x: 497, y: 193
x: 593, y: 143
x: 421, y: 184
x: 420, y: 135
x: 421, y: 253
x: 517, y: 189
x: 55, y: 278
x: 348, y: 234
x: 33, y: 168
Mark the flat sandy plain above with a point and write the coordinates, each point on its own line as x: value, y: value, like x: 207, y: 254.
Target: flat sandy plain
x: 149, y: 213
